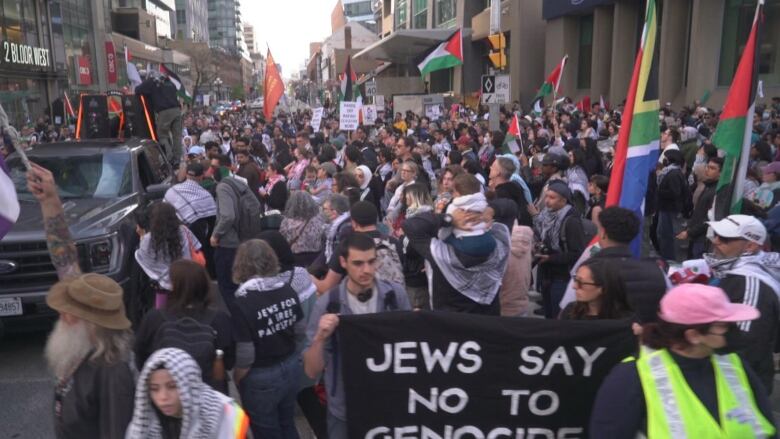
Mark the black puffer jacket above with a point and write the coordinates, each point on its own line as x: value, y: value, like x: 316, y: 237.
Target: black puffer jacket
x: 672, y: 192
x: 512, y: 191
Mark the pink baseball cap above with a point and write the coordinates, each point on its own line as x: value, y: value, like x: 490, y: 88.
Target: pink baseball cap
x: 693, y: 304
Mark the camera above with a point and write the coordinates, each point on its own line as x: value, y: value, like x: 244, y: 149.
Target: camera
x: 541, y: 249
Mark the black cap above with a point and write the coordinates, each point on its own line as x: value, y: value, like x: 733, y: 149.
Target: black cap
x: 195, y: 169
x: 363, y: 213
x: 560, y: 188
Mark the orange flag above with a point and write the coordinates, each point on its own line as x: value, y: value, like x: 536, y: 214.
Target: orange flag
x: 273, y: 87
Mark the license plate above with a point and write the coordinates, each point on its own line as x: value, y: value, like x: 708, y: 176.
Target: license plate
x: 10, y: 306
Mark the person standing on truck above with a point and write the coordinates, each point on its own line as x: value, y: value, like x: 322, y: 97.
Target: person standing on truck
x: 160, y: 92
x: 89, y: 349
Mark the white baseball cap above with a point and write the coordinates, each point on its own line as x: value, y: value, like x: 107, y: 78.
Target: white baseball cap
x: 740, y: 226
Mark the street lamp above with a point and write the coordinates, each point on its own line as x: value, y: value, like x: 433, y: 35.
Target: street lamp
x: 218, y: 86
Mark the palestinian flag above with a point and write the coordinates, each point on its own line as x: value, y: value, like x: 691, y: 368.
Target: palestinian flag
x: 180, y: 90
x: 538, y: 107
x: 447, y: 55
x: 637, y: 148
x: 348, y: 81
x: 512, y: 141
x: 733, y: 133
x: 553, y: 82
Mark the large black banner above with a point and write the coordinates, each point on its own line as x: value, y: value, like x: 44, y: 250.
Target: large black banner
x: 445, y: 375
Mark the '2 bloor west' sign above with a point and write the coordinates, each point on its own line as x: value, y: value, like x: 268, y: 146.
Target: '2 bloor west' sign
x: 18, y: 54
x: 445, y: 375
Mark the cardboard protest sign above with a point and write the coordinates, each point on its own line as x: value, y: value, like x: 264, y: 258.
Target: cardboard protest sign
x: 349, y: 118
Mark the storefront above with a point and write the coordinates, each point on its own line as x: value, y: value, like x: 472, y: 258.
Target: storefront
x: 28, y: 71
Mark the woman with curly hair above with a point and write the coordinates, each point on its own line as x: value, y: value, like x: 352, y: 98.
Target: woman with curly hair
x: 303, y: 227
x: 167, y: 240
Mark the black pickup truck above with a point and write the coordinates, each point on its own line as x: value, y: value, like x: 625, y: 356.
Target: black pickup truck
x: 102, y: 184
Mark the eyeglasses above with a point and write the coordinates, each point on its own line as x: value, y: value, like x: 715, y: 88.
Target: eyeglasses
x: 579, y: 283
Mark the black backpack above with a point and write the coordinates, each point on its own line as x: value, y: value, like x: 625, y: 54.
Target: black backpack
x: 248, y: 216
x: 589, y: 229
x: 190, y: 335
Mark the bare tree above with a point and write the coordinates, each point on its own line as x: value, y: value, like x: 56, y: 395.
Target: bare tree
x: 204, y: 65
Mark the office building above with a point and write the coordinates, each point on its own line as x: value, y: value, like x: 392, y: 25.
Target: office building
x: 192, y: 20
x: 249, y: 38
x: 225, y: 29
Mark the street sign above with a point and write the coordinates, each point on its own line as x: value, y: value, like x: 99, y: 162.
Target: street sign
x: 496, y: 89
x: 371, y: 88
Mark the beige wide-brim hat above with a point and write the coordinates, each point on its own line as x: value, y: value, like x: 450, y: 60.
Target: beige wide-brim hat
x: 92, y: 297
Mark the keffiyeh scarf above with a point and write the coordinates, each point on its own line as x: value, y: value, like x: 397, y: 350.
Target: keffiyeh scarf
x: 202, y: 407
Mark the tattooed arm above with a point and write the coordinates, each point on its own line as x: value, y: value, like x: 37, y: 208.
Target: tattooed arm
x: 62, y: 249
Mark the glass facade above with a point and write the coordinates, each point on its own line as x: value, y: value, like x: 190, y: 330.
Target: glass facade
x: 26, y: 60
x: 420, y: 14
x: 445, y: 13
x: 225, y: 25
x: 401, y: 11
x: 357, y: 9
x: 586, y: 52
x: 74, y: 21
x: 737, y: 22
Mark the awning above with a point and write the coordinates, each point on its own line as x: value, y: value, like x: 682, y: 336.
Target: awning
x: 405, y: 45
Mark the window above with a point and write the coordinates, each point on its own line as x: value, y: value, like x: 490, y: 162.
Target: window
x: 420, y: 14
x: 400, y: 14
x: 586, y: 52
x: 441, y: 81
x: 357, y: 9
x: 445, y: 13
x: 737, y: 22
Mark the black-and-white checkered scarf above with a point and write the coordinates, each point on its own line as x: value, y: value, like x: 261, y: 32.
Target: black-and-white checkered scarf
x: 202, y: 406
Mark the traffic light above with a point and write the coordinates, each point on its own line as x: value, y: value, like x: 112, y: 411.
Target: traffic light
x: 497, y: 46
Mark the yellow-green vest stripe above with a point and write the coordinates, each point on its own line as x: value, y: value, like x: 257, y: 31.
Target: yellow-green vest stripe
x: 674, y: 411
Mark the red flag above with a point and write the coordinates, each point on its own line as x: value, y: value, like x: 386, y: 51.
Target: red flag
x: 514, y: 127
x: 273, y: 88
x: 69, y: 107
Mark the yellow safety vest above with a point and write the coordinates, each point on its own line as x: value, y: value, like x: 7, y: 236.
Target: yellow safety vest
x: 674, y: 411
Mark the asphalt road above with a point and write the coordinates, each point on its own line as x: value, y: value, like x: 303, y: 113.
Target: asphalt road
x: 26, y: 388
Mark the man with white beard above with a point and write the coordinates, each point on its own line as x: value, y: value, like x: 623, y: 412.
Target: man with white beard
x: 89, y: 349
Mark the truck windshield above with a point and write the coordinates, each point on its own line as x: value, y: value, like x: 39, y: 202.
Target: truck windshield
x: 79, y: 176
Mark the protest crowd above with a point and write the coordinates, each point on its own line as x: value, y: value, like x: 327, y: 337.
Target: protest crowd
x: 280, y: 228
x: 301, y: 225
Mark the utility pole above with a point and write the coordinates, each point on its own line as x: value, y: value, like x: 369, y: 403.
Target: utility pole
x: 495, y: 28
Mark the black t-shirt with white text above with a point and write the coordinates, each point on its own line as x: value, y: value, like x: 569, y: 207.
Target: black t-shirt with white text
x: 267, y: 319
